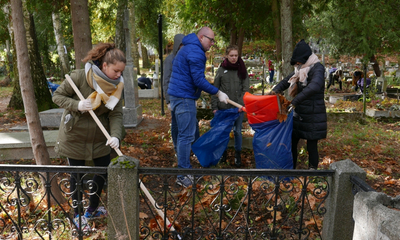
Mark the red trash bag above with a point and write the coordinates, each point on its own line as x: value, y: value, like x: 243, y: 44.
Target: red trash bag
x: 261, y: 108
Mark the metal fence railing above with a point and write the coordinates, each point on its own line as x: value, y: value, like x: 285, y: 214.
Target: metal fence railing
x: 235, y: 204
x: 36, y: 202
x: 360, y: 185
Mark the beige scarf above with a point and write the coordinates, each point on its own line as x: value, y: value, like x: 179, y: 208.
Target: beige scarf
x: 301, y: 75
x: 107, y: 90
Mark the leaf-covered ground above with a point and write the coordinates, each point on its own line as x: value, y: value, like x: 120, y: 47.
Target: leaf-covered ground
x: 373, y: 145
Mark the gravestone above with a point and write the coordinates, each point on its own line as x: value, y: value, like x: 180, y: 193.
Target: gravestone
x: 155, y: 92
x: 132, y: 109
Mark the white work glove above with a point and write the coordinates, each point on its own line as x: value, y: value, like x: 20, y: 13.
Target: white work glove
x: 85, y: 105
x: 222, y: 97
x: 169, y: 106
x: 113, y: 142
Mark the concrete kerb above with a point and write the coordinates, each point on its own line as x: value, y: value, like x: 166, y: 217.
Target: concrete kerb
x: 374, y: 218
x: 338, y: 221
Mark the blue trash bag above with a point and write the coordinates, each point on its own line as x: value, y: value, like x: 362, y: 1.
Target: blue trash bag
x: 212, y: 144
x: 52, y: 86
x: 272, y: 143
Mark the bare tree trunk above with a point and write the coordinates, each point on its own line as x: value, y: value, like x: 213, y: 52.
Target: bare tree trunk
x: 377, y: 70
x: 240, y: 41
x: 26, y: 83
x: 145, y: 57
x: 60, y: 43
x: 27, y: 89
x: 42, y: 92
x: 119, y: 26
x: 233, y: 38
x: 16, y: 98
x: 277, y: 25
x: 135, y: 51
x: 286, y: 33
x: 81, y: 30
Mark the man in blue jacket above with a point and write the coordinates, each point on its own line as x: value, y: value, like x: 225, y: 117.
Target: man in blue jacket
x: 185, y: 86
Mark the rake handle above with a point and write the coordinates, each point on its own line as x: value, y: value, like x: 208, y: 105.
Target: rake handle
x: 100, y: 125
x: 94, y: 116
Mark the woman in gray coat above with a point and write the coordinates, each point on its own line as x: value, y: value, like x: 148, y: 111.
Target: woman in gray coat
x: 306, y: 85
x: 79, y: 136
x: 232, y: 78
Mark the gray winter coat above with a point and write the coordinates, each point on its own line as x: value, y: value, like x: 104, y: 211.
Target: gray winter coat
x: 229, y: 82
x: 168, y: 64
x: 309, y: 121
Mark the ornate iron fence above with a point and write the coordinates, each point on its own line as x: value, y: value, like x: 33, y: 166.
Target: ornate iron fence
x: 222, y: 204
x: 30, y: 207
x: 234, y: 204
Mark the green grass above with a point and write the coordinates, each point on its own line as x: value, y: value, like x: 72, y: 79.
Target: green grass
x: 5, y: 91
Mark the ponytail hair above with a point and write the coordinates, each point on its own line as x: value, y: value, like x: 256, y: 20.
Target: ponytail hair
x: 105, y: 52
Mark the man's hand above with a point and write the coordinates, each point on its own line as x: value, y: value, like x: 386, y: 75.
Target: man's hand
x: 271, y: 93
x: 169, y: 106
x: 113, y: 142
x: 85, y: 105
x: 222, y: 97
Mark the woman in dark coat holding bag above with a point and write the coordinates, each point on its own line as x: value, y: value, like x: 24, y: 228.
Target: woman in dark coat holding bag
x: 306, y: 85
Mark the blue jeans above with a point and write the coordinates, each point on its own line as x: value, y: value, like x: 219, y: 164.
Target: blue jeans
x: 174, y: 130
x: 271, y: 76
x: 237, y: 131
x: 185, y: 114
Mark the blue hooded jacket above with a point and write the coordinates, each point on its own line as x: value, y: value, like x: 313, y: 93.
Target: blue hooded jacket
x: 187, y: 78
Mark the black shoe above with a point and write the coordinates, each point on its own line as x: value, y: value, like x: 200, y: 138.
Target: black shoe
x: 223, y: 158
x: 238, y: 159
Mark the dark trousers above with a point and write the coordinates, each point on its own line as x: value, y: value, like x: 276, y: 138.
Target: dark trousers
x: 312, y: 149
x: 98, y: 182
x: 332, y: 81
x: 144, y: 83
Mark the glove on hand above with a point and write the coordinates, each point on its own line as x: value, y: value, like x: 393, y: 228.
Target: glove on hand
x: 85, y: 105
x: 113, y: 142
x: 222, y: 97
x: 271, y: 93
x: 290, y: 108
x: 169, y: 106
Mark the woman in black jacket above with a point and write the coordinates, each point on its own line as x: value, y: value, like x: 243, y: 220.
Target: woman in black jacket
x: 306, y: 85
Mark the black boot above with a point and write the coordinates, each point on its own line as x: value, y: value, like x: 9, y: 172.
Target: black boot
x: 238, y: 159
x: 223, y: 158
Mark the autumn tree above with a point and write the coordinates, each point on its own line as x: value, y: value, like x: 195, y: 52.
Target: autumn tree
x: 119, y: 25
x: 133, y: 36
x: 58, y: 33
x: 360, y: 28
x: 234, y: 21
x: 27, y: 89
x: 81, y: 30
x: 41, y: 91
